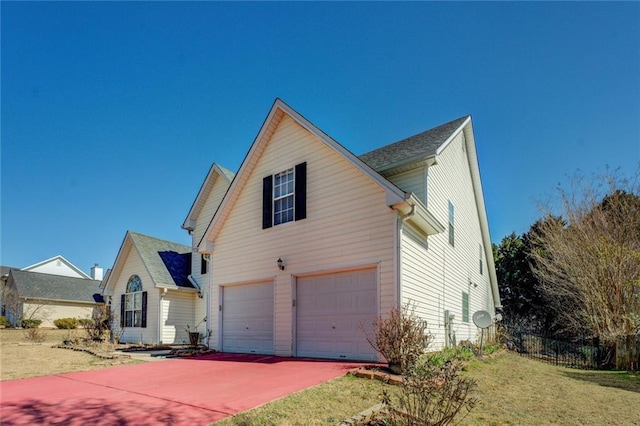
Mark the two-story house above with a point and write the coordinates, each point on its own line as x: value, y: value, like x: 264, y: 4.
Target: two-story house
x: 299, y: 251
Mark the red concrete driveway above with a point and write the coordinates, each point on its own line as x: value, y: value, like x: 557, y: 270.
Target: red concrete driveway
x: 182, y: 391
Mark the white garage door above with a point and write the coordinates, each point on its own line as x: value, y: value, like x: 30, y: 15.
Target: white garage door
x: 329, y: 311
x: 247, y: 318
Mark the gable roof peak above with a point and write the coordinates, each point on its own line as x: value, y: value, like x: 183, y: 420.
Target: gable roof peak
x: 215, y: 170
x: 414, y: 148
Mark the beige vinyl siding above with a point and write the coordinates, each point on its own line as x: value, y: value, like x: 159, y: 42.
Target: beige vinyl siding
x: 216, y: 193
x: 133, y: 265
x: 49, y: 311
x: 177, y: 313
x: 414, y: 181
x: 348, y: 225
x: 437, y: 276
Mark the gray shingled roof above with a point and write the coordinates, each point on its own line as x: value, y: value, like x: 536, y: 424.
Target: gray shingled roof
x: 414, y: 148
x: 4, y: 270
x: 54, y: 287
x: 149, y: 249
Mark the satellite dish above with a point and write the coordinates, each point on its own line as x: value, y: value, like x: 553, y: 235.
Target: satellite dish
x: 482, y: 319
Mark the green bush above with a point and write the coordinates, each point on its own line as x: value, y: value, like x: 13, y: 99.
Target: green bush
x: 4, y: 322
x: 66, y: 323
x: 85, y: 322
x: 30, y: 323
x: 453, y: 354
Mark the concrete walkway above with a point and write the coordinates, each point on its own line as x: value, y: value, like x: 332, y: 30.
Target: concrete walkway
x: 192, y: 391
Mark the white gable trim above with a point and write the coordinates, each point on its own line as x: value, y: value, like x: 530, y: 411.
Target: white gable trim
x: 472, y: 158
x: 214, y: 172
x: 453, y: 135
x: 56, y: 258
x: 109, y: 283
x: 279, y: 108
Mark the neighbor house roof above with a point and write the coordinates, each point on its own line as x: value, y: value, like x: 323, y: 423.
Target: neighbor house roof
x: 60, y: 259
x: 4, y: 270
x: 168, y: 263
x: 36, y: 285
x: 414, y: 148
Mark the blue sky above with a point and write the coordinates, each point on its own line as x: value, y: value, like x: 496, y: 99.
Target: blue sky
x: 112, y: 113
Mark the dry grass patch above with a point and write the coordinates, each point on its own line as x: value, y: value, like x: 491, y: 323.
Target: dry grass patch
x: 326, y: 404
x: 512, y: 391
x: 516, y: 390
x: 20, y: 358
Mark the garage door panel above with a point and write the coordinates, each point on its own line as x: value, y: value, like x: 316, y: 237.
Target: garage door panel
x: 330, y: 309
x: 247, y: 318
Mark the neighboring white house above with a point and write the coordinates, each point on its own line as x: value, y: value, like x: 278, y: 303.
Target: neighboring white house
x: 49, y: 290
x: 310, y: 242
x: 58, y: 265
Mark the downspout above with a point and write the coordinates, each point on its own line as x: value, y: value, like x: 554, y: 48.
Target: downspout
x: 193, y: 281
x: 163, y: 293
x: 401, y: 220
x: 195, y: 284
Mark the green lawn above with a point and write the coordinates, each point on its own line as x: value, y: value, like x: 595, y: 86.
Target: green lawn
x: 512, y: 391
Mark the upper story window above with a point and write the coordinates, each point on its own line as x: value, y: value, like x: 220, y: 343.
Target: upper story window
x: 284, y: 196
x: 452, y: 238
x: 481, y: 261
x: 133, y: 304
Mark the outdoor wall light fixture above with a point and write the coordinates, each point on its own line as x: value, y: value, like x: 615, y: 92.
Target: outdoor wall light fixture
x: 280, y: 264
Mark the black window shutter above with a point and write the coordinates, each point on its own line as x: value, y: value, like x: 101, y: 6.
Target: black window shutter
x: 122, y: 303
x: 301, y: 191
x: 144, y: 309
x: 267, y: 202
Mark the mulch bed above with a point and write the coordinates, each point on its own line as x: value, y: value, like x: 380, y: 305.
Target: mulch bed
x: 376, y: 372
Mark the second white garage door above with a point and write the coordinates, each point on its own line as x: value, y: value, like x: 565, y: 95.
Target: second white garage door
x: 247, y: 318
x: 329, y: 311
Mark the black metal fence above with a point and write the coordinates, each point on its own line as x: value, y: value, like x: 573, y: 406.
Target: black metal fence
x: 584, y: 354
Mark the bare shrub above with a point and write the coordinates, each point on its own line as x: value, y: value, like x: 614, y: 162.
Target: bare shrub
x: 401, y: 338
x: 99, y: 324
x: 587, y: 258
x: 430, y: 396
x: 34, y: 335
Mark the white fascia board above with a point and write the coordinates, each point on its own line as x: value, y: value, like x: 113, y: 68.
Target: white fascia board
x: 240, y: 177
x: 391, y: 189
x: 393, y: 193
x: 472, y: 157
x: 108, y: 289
x: 453, y: 135
x: 190, y: 222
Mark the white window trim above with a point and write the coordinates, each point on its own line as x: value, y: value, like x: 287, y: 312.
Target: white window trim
x: 134, y: 310
x: 291, y: 195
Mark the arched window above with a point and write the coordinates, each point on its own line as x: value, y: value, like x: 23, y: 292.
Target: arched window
x: 134, y: 284
x: 133, y: 309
